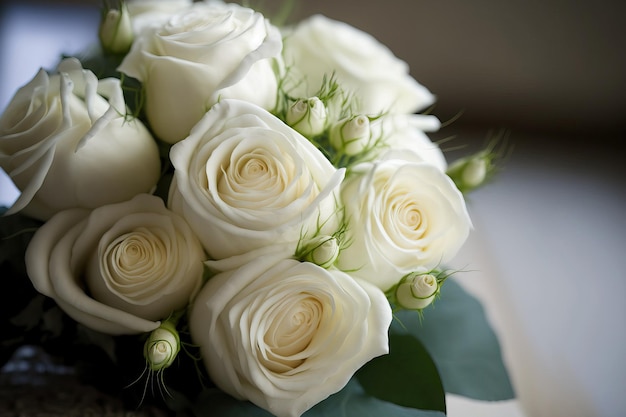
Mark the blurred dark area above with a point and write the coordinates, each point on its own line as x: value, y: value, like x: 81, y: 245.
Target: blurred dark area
x: 538, y: 66
x: 551, y: 65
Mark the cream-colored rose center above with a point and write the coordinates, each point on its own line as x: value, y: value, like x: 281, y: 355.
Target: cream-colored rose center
x: 403, y: 219
x: 411, y: 218
x: 291, y: 332
x: 257, y: 180
x: 253, y: 169
x: 160, y: 352
x: 134, y: 262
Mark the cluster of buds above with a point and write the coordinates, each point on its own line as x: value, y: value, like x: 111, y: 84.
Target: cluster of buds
x: 347, y: 136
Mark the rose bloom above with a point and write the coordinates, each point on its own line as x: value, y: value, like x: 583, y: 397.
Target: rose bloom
x: 120, y: 268
x: 402, y: 217
x: 380, y: 82
x: 153, y: 13
x: 65, y: 142
x: 284, y: 334
x: 207, y: 52
x: 403, y: 137
x: 245, y: 180
x: 166, y: 7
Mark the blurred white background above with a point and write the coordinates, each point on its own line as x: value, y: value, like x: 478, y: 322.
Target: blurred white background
x: 550, y: 231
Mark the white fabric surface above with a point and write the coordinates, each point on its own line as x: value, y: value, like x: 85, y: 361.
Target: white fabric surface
x: 547, y: 261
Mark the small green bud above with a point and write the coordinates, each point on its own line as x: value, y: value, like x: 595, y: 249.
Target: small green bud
x: 351, y: 136
x: 116, y: 32
x: 308, y: 116
x: 416, y: 291
x: 162, y: 346
x: 475, y: 172
x: 471, y: 172
x: 322, y: 250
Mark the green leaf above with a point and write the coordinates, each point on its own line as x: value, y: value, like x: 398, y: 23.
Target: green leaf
x: 464, y: 347
x: 351, y: 401
x: 407, y: 376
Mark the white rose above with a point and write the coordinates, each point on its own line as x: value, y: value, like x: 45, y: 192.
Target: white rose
x: 244, y: 180
x: 151, y: 13
x: 380, y: 81
x: 137, y: 7
x: 120, y: 268
x: 286, y: 335
x: 402, y: 217
x: 207, y: 52
x: 402, y: 136
x: 65, y: 145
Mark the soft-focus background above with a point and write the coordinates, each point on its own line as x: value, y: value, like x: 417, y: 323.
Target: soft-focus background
x: 547, y: 252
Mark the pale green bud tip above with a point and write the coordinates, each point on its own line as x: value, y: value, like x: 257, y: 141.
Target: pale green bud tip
x: 472, y: 171
x: 162, y: 346
x: 322, y: 251
x: 351, y: 136
x: 116, y: 32
x: 417, y: 291
x: 475, y: 172
x: 308, y: 116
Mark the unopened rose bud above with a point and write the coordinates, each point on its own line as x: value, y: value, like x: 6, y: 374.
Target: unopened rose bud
x: 162, y: 346
x: 322, y: 250
x: 475, y: 172
x: 351, y: 136
x: 116, y: 32
x: 308, y: 116
x: 470, y: 172
x: 417, y: 291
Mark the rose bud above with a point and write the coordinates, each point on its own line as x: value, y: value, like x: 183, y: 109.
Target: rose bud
x: 351, y: 136
x: 475, y: 170
x: 322, y: 250
x: 417, y: 291
x: 162, y: 346
x: 116, y: 32
x: 308, y: 116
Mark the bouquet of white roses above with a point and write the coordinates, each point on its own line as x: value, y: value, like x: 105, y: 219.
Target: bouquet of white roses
x: 254, y: 199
